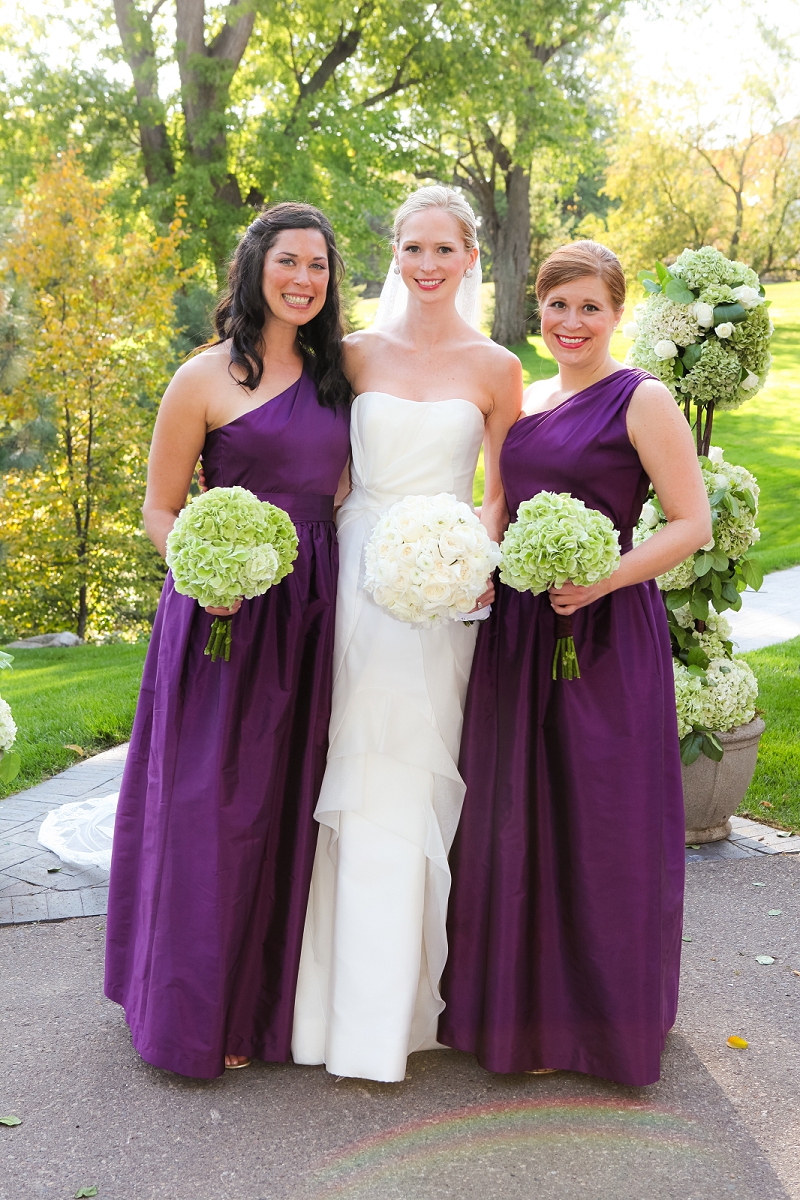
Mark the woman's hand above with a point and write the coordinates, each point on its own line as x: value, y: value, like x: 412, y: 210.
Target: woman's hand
x: 225, y: 612
x: 486, y: 598
x: 567, y: 599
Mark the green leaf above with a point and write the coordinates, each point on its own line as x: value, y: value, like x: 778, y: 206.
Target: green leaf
x: 10, y: 764
x: 662, y: 273
x: 749, y: 500
x: 774, y: 912
x: 752, y: 573
x: 698, y: 672
x: 677, y: 291
x: 703, y: 563
x: 731, y: 503
x: 677, y: 368
x: 698, y: 657
x: 730, y: 592
x: 691, y: 356
x: 10, y: 1121
x: 691, y: 745
x: 86, y: 1192
x: 766, y: 960
x: 5, y: 661
x: 712, y: 747
x: 716, y: 585
x: 698, y: 606
x: 650, y: 285
x: 735, y: 313
x: 677, y: 599
x: 646, y: 275
x: 686, y: 937
x: 718, y: 496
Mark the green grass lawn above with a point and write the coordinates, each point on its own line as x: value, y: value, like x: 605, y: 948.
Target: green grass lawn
x: 85, y: 695
x: 777, y: 778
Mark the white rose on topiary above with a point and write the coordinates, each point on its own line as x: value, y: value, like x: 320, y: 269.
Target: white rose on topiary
x: 631, y: 330
x: 665, y: 349
x: 748, y: 297
x: 749, y: 382
x: 704, y: 314
x: 716, y: 455
x: 724, y: 330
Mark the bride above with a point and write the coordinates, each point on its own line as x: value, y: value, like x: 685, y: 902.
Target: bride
x: 429, y: 390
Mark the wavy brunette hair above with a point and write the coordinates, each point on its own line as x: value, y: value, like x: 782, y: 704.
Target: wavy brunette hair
x: 242, y: 311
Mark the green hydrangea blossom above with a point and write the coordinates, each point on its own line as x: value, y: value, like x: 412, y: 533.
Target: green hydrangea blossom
x: 556, y: 538
x: 715, y: 377
x: 227, y: 543
x: 706, y: 267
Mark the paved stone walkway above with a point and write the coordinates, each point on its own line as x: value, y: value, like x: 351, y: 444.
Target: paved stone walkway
x: 769, y: 615
x: 35, y: 885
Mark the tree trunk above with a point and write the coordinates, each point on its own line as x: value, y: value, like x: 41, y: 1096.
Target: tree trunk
x: 83, y: 611
x: 511, y: 258
x: 138, y: 48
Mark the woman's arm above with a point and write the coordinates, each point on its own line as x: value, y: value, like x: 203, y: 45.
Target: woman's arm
x: 178, y: 438
x: 506, y: 407
x: 663, y: 439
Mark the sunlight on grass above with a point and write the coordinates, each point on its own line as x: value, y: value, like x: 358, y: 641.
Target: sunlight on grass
x: 85, y: 695
x: 777, y: 777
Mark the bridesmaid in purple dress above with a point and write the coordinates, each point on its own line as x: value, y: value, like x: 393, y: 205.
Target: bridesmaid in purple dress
x: 214, y: 838
x: 565, y: 911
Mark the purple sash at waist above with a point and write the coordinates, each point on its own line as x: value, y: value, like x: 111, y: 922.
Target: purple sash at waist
x: 302, y: 507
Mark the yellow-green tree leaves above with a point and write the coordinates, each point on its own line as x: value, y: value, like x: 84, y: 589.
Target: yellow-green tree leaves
x: 97, y: 357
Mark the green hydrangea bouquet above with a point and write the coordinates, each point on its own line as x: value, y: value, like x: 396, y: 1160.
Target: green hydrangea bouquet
x: 227, y: 544
x: 556, y: 539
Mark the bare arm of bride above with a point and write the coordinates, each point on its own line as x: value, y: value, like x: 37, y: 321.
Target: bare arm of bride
x: 506, y: 397
x: 663, y: 440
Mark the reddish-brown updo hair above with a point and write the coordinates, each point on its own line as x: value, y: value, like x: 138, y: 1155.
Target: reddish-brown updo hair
x: 576, y: 261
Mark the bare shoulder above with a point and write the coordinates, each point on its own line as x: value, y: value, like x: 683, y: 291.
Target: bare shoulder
x: 359, y: 344
x: 652, y: 399
x: 200, y: 375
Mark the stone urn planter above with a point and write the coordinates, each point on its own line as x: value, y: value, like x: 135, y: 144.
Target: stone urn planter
x: 712, y: 791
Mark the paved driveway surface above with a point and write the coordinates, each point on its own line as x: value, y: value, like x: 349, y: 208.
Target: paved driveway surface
x: 721, y: 1123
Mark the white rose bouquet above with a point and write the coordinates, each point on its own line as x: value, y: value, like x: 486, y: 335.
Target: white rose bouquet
x: 705, y: 332
x: 556, y: 539
x: 227, y: 544
x: 428, y: 559
x: 10, y: 760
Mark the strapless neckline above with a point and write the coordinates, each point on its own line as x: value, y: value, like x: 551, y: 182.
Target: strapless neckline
x: 429, y: 403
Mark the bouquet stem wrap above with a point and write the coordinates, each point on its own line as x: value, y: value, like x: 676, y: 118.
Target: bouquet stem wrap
x: 219, y: 642
x: 565, y: 650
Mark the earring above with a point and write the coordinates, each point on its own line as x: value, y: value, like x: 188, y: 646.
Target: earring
x: 468, y: 273
x: 396, y: 269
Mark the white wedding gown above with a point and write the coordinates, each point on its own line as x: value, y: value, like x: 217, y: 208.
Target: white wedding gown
x: 374, y: 945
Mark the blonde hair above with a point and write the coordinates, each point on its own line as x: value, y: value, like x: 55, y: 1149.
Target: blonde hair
x: 577, y: 260
x: 439, y: 197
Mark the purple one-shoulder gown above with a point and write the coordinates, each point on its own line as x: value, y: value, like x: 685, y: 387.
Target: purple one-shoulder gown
x: 565, y: 911
x: 214, y: 837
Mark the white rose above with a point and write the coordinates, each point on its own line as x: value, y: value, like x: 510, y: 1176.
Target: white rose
x: 631, y: 330
x: 436, y: 593
x: 716, y: 455
x: 649, y: 515
x: 749, y: 382
x: 724, y: 330
x: 665, y: 349
x: 709, y: 545
x: 747, y: 296
x: 704, y: 314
